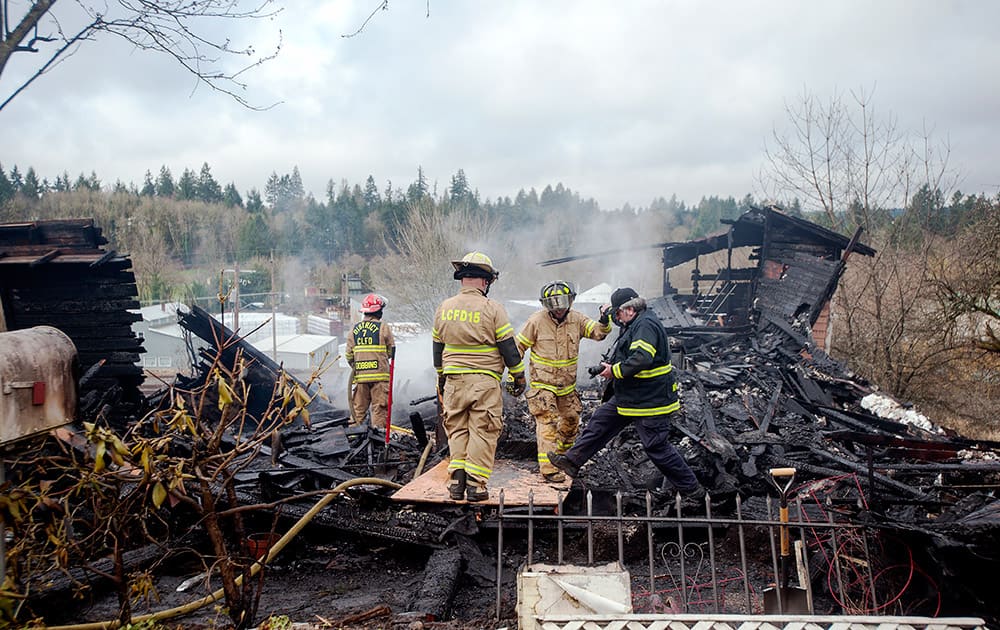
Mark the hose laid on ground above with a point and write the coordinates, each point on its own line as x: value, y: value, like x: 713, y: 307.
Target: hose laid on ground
x: 274, y: 550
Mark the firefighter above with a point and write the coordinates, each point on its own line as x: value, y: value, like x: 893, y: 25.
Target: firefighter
x: 472, y: 341
x: 645, y: 394
x: 369, y: 349
x: 553, y: 335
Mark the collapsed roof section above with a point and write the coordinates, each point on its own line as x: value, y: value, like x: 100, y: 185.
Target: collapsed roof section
x: 798, y: 266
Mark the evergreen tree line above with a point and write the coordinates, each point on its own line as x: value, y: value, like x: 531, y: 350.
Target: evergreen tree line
x: 198, y: 221
x: 195, y: 219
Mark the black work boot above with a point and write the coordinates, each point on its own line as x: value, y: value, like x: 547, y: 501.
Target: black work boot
x: 693, y: 499
x: 456, y: 488
x: 475, y: 493
x: 564, y: 464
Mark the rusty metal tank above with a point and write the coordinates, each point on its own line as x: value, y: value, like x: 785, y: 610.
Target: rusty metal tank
x: 37, y: 381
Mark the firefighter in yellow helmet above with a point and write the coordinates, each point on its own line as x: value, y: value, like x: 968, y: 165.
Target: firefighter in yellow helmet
x: 370, y: 347
x: 553, y: 336
x: 473, y: 340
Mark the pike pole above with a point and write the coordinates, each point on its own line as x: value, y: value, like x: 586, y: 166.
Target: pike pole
x: 388, y: 410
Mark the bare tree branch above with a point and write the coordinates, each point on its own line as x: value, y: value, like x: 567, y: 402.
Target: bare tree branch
x: 176, y: 28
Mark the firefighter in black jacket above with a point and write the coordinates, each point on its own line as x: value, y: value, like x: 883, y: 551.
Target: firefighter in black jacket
x: 645, y: 393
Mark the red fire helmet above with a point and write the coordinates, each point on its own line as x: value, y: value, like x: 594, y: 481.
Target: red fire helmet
x: 372, y: 303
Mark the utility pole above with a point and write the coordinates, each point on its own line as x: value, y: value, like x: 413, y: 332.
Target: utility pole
x: 236, y: 296
x: 274, y: 315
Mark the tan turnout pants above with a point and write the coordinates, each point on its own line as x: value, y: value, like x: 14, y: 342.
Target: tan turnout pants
x: 374, y: 395
x: 473, y: 420
x: 557, y: 423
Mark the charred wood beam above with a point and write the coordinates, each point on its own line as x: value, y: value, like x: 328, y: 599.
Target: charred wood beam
x: 911, y: 447
x: 864, y: 422
x: 57, y: 586
x: 720, y: 445
x: 103, y: 259
x: 41, y: 260
x: 749, y: 467
x: 439, y: 584
x: 863, y: 469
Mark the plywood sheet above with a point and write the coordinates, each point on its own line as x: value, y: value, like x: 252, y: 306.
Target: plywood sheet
x: 516, y: 478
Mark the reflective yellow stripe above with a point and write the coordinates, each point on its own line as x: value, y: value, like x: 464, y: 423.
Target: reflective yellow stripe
x: 478, y: 471
x: 437, y: 369
x: 503, y: 330
x: 369, y: 349
x: 660, y: 371
x: 454, y: 369
x: 639, y: 343
x: 524, y: 340
x: 434, y: 334
x: 454, y: 347
x: 456, y: 464
x: 556, y: 363
x: 616, y: 370
x: 543, y: 458
x: 589, y: 328
x: 562, y: 447
x: 558, y: 391
x: 371, y: 378
x: 652, y: 411
x: 517, y: 369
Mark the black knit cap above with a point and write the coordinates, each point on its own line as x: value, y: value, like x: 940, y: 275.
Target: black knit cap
x: 622, y: 295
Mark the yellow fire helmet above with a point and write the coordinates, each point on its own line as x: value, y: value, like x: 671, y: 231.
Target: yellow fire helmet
x: 557, y: 296
x: 475, y: 265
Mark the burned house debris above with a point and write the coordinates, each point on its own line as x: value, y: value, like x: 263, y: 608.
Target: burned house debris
x: 58, y: 274
x: 759, y: 392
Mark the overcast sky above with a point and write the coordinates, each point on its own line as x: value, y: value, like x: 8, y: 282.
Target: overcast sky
x: 619, y: 101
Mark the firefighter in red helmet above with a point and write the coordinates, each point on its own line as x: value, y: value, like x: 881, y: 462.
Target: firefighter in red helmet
x: 369, y: 349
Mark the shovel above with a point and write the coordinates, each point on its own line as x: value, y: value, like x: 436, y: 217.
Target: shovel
x: 783, y: 598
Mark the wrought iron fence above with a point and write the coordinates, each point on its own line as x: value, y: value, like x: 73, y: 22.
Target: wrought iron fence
x: 681, y: 571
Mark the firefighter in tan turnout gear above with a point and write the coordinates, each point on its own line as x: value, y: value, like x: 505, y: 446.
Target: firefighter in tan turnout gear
x: 369, y: 349
x: 473, y: 340
x: 553, y: 336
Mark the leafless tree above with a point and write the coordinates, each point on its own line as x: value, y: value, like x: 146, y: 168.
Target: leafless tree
x: 859, y: 168
x: 418, y: 273
x: 180, y: 29
x: 849, y: 161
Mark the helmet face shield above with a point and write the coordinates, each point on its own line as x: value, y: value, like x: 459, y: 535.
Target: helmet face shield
x: 557, y: 302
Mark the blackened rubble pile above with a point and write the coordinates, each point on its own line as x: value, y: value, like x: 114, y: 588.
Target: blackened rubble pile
x: 759, y: 392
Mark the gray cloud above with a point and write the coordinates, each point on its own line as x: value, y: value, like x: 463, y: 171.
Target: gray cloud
x: 622, y: 102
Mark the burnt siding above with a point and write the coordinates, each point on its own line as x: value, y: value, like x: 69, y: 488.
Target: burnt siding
x: 791, y: 282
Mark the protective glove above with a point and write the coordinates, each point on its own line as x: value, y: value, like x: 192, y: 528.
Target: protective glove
x: 605, y: 317
x: 515, y: 384
x: 441, y: 381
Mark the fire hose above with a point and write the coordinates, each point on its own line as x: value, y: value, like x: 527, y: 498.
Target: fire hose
x: 257, y: 566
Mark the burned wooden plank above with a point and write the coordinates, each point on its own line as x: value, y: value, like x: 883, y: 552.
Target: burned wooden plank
x: 44, y: 258
x: 862, y: 469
